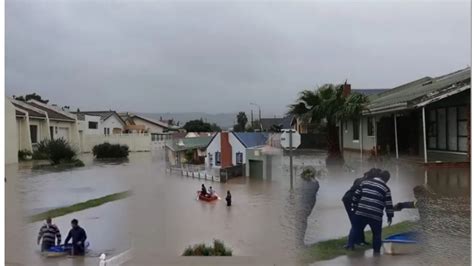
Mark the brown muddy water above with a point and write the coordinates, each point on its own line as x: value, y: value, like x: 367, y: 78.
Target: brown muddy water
x: 163, y: 216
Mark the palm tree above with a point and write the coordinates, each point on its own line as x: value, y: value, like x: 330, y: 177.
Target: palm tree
x: 329, y: 104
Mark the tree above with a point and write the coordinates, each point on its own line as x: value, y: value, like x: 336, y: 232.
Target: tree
x: 31, y: 96
x: 328, y: 104
x: 241, y: 122
x: 200, y: 126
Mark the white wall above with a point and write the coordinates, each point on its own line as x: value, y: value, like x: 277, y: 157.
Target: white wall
x: 150, y: 127
x: 237, y: 146
x: 84, y: 125
x: 135, y: 142
x: 111, y: 123
x: 213, y: 147
x: 368, y: 142
x: 11, y: 134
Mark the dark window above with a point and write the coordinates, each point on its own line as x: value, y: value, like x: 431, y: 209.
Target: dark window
x: 370, y: 126
x: 218, y: 158
x: 447, y: 128
x: 51, y: 132
x: 210, y: 159
x: 34, y: 134
x: 239, y: 158
x: 355, y: 129
x: 93, y: 125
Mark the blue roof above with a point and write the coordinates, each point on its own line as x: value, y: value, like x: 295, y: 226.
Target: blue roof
x: 251, y: 139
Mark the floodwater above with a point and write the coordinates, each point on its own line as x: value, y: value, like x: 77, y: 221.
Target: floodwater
x: 32, y: 191
x: 266, y: 219
x: 444, y: 220
x: 168, y: 217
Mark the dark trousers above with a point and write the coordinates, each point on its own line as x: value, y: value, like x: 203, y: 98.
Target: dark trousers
x: 376, y: 226
x: 359, y: 236
x: 78, y: 250
x: 45, y: 245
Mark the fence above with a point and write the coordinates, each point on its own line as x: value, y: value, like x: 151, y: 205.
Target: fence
x: 115, y: 260
x: 134, y: 141
x: 194, y: 171
x: 233, y: 171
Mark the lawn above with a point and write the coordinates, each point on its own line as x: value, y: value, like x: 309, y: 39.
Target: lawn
x: 79, y: 206
x: 329, y: 249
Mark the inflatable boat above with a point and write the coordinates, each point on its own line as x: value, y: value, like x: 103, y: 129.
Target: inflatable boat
x: 207, y: 197
x: 404, y: 243
x: 61, y: 250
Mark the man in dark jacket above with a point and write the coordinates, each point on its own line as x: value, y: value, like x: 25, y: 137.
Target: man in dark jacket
x: 78, y: 236
x: 370, y: 199
x: 348, y: 204
x: 49, y: 232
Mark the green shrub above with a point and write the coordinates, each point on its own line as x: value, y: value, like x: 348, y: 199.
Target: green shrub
x: 218, y: 249
x: 40, y: 152
x: 60, y: 150
x: 107, y: 150
x: 23, y: 154
x: 57, y: 151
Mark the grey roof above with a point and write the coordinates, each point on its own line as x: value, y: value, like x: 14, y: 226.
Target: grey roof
x: 369, y: 92
x: 31, y: 112
x: 188, y: 143
x: 104, y: 115
x: 52, y: 115
x: 408, y: 95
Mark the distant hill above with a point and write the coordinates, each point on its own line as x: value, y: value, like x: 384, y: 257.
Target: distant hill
x: 223, y: 120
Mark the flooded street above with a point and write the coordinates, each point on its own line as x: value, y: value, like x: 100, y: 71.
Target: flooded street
x: 163, y: 216
x: 168, y: 217
x: 33, y: 191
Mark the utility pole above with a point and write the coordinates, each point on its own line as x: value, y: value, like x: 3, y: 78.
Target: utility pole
x: 251, y: 118
x: 291, y: 159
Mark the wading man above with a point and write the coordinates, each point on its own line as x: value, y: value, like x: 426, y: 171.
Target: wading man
x: 78, y: 236
x: 49, y: 232
x: 370, y: 200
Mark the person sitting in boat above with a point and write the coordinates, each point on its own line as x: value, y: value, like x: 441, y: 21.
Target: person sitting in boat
x: 78, y: 236
x: 211, y: 192
x: 203, y: 190
x: 228, y: 198
x: 49, y: 232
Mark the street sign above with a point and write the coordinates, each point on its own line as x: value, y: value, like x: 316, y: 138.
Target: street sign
x: 285, y: 139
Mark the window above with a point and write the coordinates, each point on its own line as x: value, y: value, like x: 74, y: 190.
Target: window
x: 370, y: 126
x: 239, y: 158
x: 93, y: 125
x: 210, y: 159
x: 106, y: 131
x: 34, y: 134
x: 447, y: 129
x: 218, y: 158
x: 355, y: 129
x: 51, y: 132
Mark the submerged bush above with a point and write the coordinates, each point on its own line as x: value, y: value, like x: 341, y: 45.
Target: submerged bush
x: 218, y: 249
x: 57, y: 151
x: 24, y: 154
x: 107, y: 150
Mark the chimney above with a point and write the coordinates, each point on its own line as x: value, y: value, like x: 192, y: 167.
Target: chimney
x: 346, y: 89
x: 226, y: 150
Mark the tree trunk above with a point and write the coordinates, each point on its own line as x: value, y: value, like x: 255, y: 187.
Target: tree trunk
x: 334, y: 151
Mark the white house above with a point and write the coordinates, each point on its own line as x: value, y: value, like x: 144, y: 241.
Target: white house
x: 227, y: 149
x: 37, y: 121
x: 109, y: 123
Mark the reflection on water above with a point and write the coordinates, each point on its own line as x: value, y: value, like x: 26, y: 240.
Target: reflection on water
x: 445, y: 217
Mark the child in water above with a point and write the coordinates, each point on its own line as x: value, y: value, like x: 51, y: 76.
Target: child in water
x: 228, y: 198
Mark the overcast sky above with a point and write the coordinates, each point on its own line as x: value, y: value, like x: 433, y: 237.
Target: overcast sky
x: 201, y: 56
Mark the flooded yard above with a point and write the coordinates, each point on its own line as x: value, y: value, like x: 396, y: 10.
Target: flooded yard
x: 163, y: 216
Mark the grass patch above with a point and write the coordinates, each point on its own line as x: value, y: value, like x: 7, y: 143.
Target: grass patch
x: 218, y: 249
x: 329, y: 249
x: 79, y: 206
